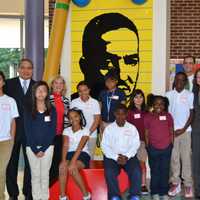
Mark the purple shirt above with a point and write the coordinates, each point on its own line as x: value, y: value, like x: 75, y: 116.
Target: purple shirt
x: 159, y: 128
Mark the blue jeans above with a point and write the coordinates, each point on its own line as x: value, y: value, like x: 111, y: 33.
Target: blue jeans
x: 159, y: 162
x: 112, y: 170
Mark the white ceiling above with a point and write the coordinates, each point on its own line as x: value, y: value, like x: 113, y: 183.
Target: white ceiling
x: 16, y: 7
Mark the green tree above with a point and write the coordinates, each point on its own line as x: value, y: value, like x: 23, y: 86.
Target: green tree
x: 9, y: 56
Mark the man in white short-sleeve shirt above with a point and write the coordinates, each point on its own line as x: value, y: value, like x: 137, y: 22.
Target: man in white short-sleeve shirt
x: 181, y: 109
x: 91, y: 111
x: 180, y: 105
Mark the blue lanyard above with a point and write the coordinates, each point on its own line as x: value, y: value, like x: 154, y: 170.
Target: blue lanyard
x: 108, y: 103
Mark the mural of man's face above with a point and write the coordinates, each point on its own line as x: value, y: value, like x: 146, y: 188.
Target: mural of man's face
x: 110, y: 43
x: 124, y: 58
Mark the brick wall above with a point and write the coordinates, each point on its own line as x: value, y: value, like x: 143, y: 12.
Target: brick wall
x: 185, y: 27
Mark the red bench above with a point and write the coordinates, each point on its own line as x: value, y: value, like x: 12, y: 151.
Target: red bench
x: 94, y: 178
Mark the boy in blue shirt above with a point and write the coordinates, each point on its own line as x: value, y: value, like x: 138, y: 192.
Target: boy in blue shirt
x: 109, y: 99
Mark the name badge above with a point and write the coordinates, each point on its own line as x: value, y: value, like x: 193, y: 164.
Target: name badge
x: 162, y: 118
x: 88, y: 106
x: 127, y: 133
x: 137, y: 116
x: 47, y: 119
x: 5, y: 107
x: 183, y: 99
x: 115, y: 97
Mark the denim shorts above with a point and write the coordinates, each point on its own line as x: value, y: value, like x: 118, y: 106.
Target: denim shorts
x: 83, y: 157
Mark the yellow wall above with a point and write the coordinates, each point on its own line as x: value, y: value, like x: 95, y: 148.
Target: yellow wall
x: 141, y: 15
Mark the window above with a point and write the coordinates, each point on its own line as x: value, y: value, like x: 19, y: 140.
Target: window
x: 12, y: 42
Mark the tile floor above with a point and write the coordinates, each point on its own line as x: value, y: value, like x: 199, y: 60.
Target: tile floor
x: 146, y: 197
x: 21, y: 197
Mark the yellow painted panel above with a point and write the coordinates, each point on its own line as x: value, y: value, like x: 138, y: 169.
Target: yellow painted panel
x: 144, y: 34
x: 113, y: 4
x: 145, y: 55
x: 120, y: 43
x: 144, y: 68
x: 78, y: 25
x: 145, y: 88
x: 145, y: 77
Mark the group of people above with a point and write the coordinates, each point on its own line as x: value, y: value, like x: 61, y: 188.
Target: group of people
x: 58, y: 136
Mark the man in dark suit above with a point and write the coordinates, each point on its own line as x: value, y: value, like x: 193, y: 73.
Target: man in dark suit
x: 20, y: 88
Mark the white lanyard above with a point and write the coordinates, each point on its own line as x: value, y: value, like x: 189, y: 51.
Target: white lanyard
x: 108, y: 102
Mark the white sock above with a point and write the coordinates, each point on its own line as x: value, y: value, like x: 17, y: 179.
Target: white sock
x: 88, y: 197
x: 63, y: 198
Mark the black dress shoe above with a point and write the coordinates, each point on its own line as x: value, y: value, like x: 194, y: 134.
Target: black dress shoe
x: 13, y: 198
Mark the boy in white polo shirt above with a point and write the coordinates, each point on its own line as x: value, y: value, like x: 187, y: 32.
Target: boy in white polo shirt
x: 8, y: 113
x: 119, y: 145
x: 91, y: 111
x: 181, y: 108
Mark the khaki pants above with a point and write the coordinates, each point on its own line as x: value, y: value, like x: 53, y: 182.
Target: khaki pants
x: 5, y: 153
x: 40, y: 173
x: 142, y: 152
x: 181, y: 159
x: 92, y: 146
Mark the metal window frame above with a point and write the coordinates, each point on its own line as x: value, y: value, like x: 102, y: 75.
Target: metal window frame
x: 21, y: 19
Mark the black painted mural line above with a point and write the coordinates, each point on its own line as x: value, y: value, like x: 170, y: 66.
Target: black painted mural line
x: 96, y: 56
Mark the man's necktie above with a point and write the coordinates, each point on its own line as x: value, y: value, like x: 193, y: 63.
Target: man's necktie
x: 25, y: 86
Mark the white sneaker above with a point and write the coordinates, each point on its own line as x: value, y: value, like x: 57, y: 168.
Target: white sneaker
x: 155, y: 197
x: 63, y: 198
x: 174, y: 190
x: 188, y: 192
x: 88, y: 197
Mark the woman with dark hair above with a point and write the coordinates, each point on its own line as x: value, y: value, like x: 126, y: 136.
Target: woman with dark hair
x: 135, y: 116
x: 75, y: 153
x: 196, y: 134
x: 40, y: 130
